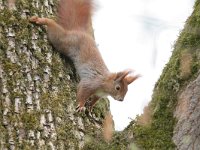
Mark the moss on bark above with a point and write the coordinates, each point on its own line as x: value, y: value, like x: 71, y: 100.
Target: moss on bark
x: 38, y: 85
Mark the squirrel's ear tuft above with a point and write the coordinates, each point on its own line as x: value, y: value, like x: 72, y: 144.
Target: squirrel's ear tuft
x: 129, y: 79
x: 121, y: 75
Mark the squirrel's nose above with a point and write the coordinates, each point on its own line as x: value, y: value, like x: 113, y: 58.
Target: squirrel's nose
x: 121, y: 99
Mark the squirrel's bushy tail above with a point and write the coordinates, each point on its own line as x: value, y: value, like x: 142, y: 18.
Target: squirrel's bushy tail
x: 74, y: 14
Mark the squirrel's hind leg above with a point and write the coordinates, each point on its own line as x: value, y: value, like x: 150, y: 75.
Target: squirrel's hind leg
x: 83, y: 94
x: 93, y: 101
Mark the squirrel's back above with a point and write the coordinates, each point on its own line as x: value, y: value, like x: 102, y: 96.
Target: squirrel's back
x: 74, y: 14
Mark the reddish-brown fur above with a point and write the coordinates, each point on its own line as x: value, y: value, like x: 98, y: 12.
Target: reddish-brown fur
x: 69, y: 36
x: 74, y: 14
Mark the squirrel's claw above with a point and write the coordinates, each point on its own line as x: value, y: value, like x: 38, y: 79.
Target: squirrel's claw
x: 80, y: 109
x: 90, y: 108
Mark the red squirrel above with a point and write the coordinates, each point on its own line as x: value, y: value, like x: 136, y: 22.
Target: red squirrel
x: 69, y: 35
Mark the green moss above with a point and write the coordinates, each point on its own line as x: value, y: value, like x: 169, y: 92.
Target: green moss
x: 26, y: 145
x: 23, y: 4
x: 7, y: 18
x: 101, y: 108
x: 30, y: 120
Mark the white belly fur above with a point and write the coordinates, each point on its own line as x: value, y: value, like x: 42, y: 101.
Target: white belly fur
x: 101, y: 94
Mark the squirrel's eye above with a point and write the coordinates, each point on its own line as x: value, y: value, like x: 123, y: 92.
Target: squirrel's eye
x: 117, y: 87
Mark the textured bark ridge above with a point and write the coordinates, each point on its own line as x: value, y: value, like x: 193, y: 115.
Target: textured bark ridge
x: 187, y: 130
x: 38, y: 85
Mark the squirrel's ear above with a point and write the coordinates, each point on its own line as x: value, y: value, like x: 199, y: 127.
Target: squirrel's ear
x: 130, y: 78
x: 121, y: 75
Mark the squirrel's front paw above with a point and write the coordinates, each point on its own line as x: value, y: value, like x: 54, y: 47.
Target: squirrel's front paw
x: 37, y: 20
x: 80, y: 109
x: 34, y: 19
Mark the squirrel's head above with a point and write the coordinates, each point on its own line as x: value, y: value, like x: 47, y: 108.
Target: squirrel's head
x: 119, y: 84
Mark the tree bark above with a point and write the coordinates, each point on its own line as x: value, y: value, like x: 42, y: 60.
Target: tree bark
x: 38, y: 85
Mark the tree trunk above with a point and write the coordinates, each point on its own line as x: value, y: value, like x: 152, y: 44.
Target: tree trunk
x: 38, y: 85
x: 172, y: 118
